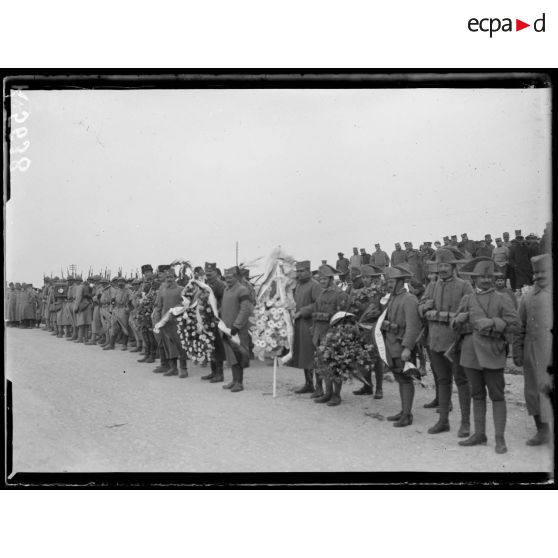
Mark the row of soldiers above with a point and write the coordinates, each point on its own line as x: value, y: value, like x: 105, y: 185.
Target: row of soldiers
x: 23, y: 306
x: 464, y: 319
x: 512, y: 257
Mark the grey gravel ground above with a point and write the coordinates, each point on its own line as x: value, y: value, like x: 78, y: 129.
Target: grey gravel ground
x: 78, y: 408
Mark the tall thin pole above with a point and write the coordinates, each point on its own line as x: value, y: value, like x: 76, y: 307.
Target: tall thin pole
x: 237, y: 252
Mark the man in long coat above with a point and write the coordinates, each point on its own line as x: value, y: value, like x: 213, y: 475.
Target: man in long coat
x: 12, y: 303
x: 520, y: 260
x: 484, y: 319
x: 306, y: 293
x: 532, y: 348
x: 236, y: 309
x: 120, y: 314
x: 398, y: 256
x: 83, y: 310
x: 414, y: 261
x: 28, y: 306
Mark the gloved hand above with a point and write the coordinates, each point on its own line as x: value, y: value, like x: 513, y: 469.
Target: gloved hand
x: 405, y: 354
x: 484, y: 323
x: 234, y: 330
x: 428, y: 305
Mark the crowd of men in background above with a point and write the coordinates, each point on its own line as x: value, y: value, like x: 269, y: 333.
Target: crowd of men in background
x: 449, y: 305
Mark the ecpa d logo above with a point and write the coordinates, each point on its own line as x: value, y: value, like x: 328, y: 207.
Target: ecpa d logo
x: 493, y: 25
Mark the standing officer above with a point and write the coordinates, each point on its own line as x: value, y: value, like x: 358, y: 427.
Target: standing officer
x: 483, y: 319
x: 83, y: 310
x: 438, y: 307
x: 398, y: 256
x: 96, y: 324
x: 331, y: 300
x: 379, y: 258
x: 218, y: 288
x: 343, y: 266
x: 120, y: 314
x: 306, y: 293
x: 414, y: 261
x: 236, y: 310
x: 532, y: 347
x: 400, y: 330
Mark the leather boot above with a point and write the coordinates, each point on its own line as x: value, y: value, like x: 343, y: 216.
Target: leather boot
x: 464, y: 396
x: 136, y: 349
x: 319, y: 391
x: 80, y: 337
x: 499, y: 413
x: 398, y: 415
x: 93, y: 340
x: 379, y: 375
x: 211, y: 375
x: 238, y: 386
x: 163, y: 367
x: 74, y: 332
x: 479, y: 416
x: 444, y: 397
x: 183, y: 368
x: 364, y: 390
x: 145, y: 359
x: 407, y: 396
x: 218, y: 377
x: 543, y: 433
x: 308, y: 386
x: 232, y: 383
x: 336, y: 396
x: 173, y: 369
x: 125, y: 343
x: 110, y: 346
x: 435, y: 402
x: 68, y: 333
x: 328, y: 392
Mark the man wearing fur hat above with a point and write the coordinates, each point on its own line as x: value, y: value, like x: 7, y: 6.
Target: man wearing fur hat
x: 236, y: 309
x: 438, y: 306
x: 400, y: 329
x: 532, y: 348
x: 306, y: 293
x: 331, y: 300
x: 484, y: 319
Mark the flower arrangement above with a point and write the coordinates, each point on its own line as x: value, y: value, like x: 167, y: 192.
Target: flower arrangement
x: 145, y: 309
x: 197, y: 325
x: 272, y: 329
x: 344, y: 353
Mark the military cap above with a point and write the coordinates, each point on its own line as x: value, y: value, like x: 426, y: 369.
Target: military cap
x: 340, y: 254
x: 479, y: 266
x: 398, y: 245
x: 464, y: 235
x: 397, y: 272
x: 428, y: 243
x: 146, y: 267
x: 71, y: 279
x: 487, y: 236
x: 355, y: 248
x: 56, y: 278
x: 506, y: 234
x: 541, y: 263
x: 446, y: 238
x: 18, y: 285
x: 78, y: 278
x: 518, y: 232
x: 232, y: 270
x: 163, y: 267
x: 362, y: 250
x: 136, y: 281
x: 369, y: 270
x: 498, y: 239
x: 303, y: 264
x: 115, y: 279
x: 324, y: 262
x: 103, y: 280
x: 210, y: 266
x: 10, y: 284
x: 377, y: 245
x: 454, y: 237
x: 449, y: 256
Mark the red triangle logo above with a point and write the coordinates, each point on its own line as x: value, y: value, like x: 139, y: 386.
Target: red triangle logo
x: 519, y: 25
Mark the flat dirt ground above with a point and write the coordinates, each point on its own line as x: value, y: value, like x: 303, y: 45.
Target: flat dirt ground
x: 77, y: 408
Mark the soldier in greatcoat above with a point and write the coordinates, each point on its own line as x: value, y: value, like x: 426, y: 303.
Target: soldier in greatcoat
x: 120, y: 305
x: 149, y: 287
x: 400, y: 330
x: 331, y: 300
x: 532, y: 348
x: 96, y: 323
x: 105, y: 303
x: 28, y: 306
x: 134, y: 324
x: 483, y: 320
x: 12, y: 302
x: 83, y: 310
x: 414, y: 261
x: 306, y: 292
x: 438, y: 307
x: 66, y: 318
x: 398, y: 256
x: 236, y: 309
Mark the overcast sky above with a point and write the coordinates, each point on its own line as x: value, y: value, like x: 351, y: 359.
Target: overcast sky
x: 124, y: 178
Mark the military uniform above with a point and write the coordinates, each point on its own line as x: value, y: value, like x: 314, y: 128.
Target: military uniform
x: 97, y: 329
x: 483, y: 319
x: 400, y: 329
x: 236, y: 310
x: 439, y: 307
x: 398, y: 256
x: 305, y: 295
x: 83, y: 310
x: 532, y: 349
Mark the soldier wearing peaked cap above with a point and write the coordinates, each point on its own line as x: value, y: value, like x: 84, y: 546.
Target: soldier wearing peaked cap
x: 532, y: 348
x: 343, y: 266
x: 218, y: 288
x: 96, y: 324
x: 135, y: 328
x: 398, y: 256
x: 466, y: 245
x: 414, y: 261
x: 83, y: 310
x: 331, y: 300
x: 356, y: 259
x: 236, y: 310
x: 438, y: 307
x: 306, y: 293
x: 447, y: 241
x: 379, y: 258
x: 400, y: 330
x: 366, y: 306
x: 483, y: 319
